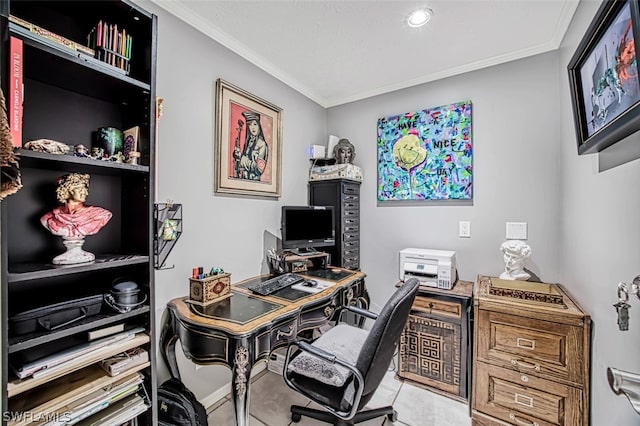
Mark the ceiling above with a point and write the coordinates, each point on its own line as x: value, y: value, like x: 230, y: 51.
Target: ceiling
x: 336, y: 51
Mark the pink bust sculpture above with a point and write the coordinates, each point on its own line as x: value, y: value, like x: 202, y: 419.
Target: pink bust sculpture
x: 74, y: 220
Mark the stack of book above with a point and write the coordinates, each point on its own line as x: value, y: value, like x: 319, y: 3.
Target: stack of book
x: 114, y: 47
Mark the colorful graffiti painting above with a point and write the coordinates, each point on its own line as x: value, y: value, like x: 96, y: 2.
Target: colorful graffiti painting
x: 426, y: 155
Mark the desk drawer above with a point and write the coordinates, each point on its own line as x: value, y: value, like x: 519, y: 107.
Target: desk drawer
x: 522, y: 399
x: 284, y: 333
x: 435, y: 306
x: 531, y: 346
x: 318, y: 315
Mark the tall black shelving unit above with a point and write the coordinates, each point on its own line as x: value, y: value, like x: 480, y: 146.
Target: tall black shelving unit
x: 68, y: 95
x: 344, y: 196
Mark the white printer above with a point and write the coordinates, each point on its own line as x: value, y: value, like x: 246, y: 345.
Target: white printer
x: 433, y: 268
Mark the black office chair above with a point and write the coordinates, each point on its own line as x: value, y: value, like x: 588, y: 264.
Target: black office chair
x: 342, y: 369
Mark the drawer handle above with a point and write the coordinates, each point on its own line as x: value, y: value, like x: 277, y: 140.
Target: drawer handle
x: 515, y: 418
x: 523, y: 343
x: 281, y: 333
x: 527, y: 401
x: 350, y: 294
x: 328, y: 311
x: 525, y: 364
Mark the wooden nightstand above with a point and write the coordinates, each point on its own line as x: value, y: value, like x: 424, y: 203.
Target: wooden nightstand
x: 531, y: 355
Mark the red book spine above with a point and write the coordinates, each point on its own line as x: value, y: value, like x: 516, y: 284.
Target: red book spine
x: 16, y: 91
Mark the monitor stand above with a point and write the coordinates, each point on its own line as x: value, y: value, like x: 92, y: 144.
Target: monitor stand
x: 309, y: 251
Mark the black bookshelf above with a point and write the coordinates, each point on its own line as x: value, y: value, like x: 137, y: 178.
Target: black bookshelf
x: 68, y: 95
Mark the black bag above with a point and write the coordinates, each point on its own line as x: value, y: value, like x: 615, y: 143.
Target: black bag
x: 178, y: 406
x: 55, y: 316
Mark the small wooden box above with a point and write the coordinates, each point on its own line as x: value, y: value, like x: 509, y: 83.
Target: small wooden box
x: 209, y: 289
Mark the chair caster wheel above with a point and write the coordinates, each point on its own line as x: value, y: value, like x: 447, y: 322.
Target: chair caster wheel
x: 393, y: 417
x: 295, y: 417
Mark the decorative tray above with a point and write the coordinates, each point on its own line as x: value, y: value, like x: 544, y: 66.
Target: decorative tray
x: 525, y: 290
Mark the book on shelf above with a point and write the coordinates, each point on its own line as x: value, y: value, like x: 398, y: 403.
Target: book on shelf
x: 44, y: 33
x: 66, y: 406
x: 105, y: 331
x: 16, y: 90
x: 113, y: 46
x: 125, y: 361
x: 60, y: 360
x: 97, y: 401
x: 117, y: 413
x: 131, y: 137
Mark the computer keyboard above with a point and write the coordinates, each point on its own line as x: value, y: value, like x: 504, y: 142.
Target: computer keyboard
x: 274, y: 284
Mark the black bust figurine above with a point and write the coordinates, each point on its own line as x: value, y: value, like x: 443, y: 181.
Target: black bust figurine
x: 344, y: 152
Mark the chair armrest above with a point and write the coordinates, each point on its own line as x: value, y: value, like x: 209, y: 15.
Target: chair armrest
x: 358, y: 311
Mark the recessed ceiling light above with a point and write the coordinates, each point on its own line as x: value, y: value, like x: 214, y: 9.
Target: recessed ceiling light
x: 419, y: 17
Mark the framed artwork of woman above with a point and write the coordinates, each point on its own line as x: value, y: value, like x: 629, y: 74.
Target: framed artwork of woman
x: 248, y: 143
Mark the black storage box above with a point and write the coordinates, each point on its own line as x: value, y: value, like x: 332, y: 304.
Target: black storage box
x: 52, y: 317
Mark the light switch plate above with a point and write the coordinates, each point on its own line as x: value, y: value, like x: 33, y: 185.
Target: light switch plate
x: 464, y: 229
x: 516, y: 230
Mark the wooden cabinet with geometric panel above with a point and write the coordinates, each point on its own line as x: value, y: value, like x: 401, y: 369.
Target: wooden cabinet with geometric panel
x: 435, y: 346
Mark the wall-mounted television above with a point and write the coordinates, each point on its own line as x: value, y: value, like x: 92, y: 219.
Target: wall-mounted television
x: 306, y: 227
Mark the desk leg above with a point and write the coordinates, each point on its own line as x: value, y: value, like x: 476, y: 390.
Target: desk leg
x: 168, y: 339
x: 240, y: 381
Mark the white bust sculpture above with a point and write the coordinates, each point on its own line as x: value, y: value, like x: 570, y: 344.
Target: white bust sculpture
x: 515, y: 253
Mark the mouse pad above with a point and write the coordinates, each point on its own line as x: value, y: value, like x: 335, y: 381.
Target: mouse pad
x: 290, y: 293
x: 331, y: 274
x: 316, y: 287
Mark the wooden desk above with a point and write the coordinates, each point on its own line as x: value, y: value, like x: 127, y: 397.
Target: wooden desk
x: 246, y: 327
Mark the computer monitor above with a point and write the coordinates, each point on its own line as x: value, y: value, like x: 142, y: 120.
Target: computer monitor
x: 306, y: 227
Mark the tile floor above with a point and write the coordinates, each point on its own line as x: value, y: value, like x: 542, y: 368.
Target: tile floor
x: 271, y: 398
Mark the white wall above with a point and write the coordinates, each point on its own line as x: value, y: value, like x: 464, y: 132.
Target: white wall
x: 600, y: 234
x: 516, y: 172
x: 230, y: 232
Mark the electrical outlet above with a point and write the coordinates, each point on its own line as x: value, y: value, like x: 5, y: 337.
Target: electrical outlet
x: 464, y: 229
x: 516, y: 230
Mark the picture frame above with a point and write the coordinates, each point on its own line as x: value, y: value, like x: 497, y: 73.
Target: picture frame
x: 248, y: 143
x: 603, y: 78
x: 426, y: 155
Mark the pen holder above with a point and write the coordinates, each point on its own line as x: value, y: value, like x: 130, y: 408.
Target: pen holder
x: 203, y: 291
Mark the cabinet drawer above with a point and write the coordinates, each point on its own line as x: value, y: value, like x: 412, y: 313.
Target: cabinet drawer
x: 435, y: 306
x: 353, y: 264
x: 351, y: 205
x: 351, y: 252
x: 350, y: 221
x: 351, y: 236
x: 531, y: 346
x: 349, y: 245
x: 522, y: 399
x: 351, y: 228
x: 351, y: 190
x: 350, y: 213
